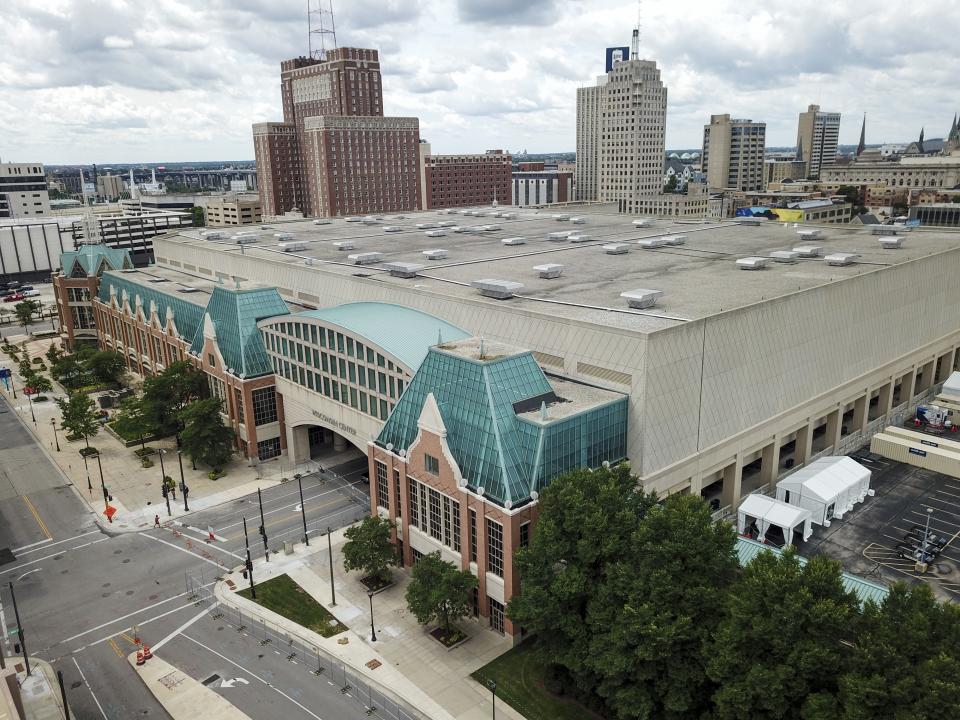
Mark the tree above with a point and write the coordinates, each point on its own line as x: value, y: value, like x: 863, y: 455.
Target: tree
x: 130, y: 420
x: 199, y: 219
x: 166, y: 394
x: 204, y: 437
x: 586, y: 524
x: 369, y: 548
x: 39, y: 383
x: 25, y: 311
x: 106, y: 366
x: 906, y: 661
x: 439, y: 590
x: 78, y: 416
x: 654, y: 617
x: 779, y: 652
x: 672, y: 184
x: 69, y: 371
x: 54, y: 354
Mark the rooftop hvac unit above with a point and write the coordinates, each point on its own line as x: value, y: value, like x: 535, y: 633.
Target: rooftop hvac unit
x: 784, y: 256
x: 808, y: 251
x: 244, y: 239
x: 213, y: 235
x: 616, y: 249
x: 446, y: 224
x: 344, y: 245
x: 426, y: 226
x: 281, y: 236
x: 392, y: 228
x: 293, y: 246
x: 321, y: 221
x: 642, y: 298
x: 457, y: 229
x: 473, y: 213
x: 752, y: 263
x: 560, y: 236
x: 643, y: 222
x: 435, y: 233
x: 464, y: 212
x: 579, y: 238
x: 882, y: 229
x: 839, y: 259
x: 435, y: 254
x: 402, y: 269
x: 514, y: 241
x: 370, y: 220
x: 649, y: 243
x: 491, y: 228
x: 562, y: 217
x: 890, y: 243
x: 752, y: 221
x: 354, y: 219
x: 508, y: 215
x: 578, y: 220
x: 367, y: 258
x: 809, y: 234
x: 499, y: 289
x: 676, y: 239
x: 548, y: 271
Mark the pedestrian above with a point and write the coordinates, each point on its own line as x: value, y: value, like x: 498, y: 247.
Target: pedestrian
x: 156, y: 521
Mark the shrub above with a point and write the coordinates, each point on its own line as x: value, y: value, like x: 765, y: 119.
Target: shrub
x: 215, y: 474
x: 40, y: 398
x: 37, y: 361
x: 88, y: 451
x: 144, y: 452
x: 146, y: 462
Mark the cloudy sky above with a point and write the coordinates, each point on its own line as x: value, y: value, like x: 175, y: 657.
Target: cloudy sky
x: 176, y: 80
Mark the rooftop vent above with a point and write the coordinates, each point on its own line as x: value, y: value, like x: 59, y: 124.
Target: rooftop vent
x: 809, y: 234
x: 562, y: 217
x: 499, y: 289
x: 354, y: 219
x: 643, y: 222
x: 283, y: 236
x: 508, y: 215
x: 579, y: 238
x: 392, y: 228
x: 560, y: 236
x: 426, y: 226
x: 367, y: 258
x: 882, y: 229
x: 371, y: 220
x: 435, y: 254
x: 784, y: 256
x: 650, y: 243
x: 752, y: 221
x: 321, y: 221
x: 158, y: 280
x: 187, y: 289
x: 128, y: 270
x: 616, y: 249
x: 578, y: 220
x: 403, y: 269
x: 752, y: 263
x: 890, y: 243
x: 808, y: 251
x: 435, y: 233
x: 676, y: 239
x: 839, y: 259
x: 642, y: 298
x: 491, y: 228
x: 344, y: 245
x: 549, y: 271
x: 514, y: 241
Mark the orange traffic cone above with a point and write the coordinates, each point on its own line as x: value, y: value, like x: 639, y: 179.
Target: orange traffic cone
x: 146, y: 652
x: 140, y: 658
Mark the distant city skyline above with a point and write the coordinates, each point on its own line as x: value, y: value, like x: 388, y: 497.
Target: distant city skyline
x: 85, y: 83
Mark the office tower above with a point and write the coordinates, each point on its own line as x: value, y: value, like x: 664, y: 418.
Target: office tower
x: 23, y: 190
x: 817, y: 135
x: 733, y: 153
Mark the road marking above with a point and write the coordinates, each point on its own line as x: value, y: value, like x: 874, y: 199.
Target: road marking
x: 202, y: 533
x: 183, y: 627
x: 39, y: 542
x: 84, y: 678
x: 233, y: 681
x: 3, y: 626
x: 139, y: 624
x: 190, y: 552
x: 116, y: 648
x: 25, y: 551
x: 28, y: 572
x: 118, y: 619
x: 47, y: 557
x: 237, y: 665
x: 285, y: 508
x: 36, y: 516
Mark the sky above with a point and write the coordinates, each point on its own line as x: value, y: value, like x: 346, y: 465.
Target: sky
x: 106, y: 81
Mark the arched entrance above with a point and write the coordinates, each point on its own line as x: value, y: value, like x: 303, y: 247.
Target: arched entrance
x: 321, y: 443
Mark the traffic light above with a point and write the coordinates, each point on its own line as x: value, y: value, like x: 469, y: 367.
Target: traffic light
x: 164, y: 491
x: 249, y: 564
x: 106, y: 495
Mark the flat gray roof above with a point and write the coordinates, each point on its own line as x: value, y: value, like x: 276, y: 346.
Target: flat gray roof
x: 699, y: 278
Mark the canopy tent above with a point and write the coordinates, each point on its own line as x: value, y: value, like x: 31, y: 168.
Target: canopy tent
x: 766, y: 511
x: 828, y: 487
x: 952, y: 385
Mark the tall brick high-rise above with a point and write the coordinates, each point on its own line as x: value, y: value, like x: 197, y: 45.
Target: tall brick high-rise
x: 323, y: 164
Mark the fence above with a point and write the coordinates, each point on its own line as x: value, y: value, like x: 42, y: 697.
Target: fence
x: 374, y: 702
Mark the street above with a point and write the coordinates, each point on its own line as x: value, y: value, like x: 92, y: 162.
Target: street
x: 84, y: 596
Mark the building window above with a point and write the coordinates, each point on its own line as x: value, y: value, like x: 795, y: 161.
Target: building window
x: 238, y: 402
x: 211, y: 360
x: 525, y: 535
x: 431, y: 464
x: 473, y: 536
x: 396, y: 488
x: 264, y: 405
x: 435, y: 514
x: 383, y: 492
x: 267, y: 449
x: 494, y: 548
x: 496, y: 614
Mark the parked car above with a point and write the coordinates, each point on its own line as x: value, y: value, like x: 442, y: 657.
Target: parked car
x: 30, y: 293
x: 25, y: 287
x: 16, y: 297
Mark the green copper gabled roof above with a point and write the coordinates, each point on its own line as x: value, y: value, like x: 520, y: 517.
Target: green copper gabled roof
x: 234, y: 314
x: 95, y: 258
x: 507, y: 456
x: 187, y: 315
x: 403, y: 332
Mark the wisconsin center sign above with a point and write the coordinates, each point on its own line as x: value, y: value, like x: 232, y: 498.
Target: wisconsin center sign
x: 334, y: 423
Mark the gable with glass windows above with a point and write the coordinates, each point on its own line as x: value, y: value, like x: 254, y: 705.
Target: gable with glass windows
x: 337, y: 365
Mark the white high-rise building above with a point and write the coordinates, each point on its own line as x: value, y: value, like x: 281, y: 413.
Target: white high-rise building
x: 588, y: 140
x: 23, y: 190
x: 817, y: 136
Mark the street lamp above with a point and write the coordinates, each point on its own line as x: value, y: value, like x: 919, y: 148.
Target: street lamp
x: 249, y: 562
x: 373, y: 633
x: 87, y: 469
x: 30, y: 401
x: 183, y: 484
x: 303, y: 510
x: 492, y: 684
x: 53, y: 424
x: 926, y: 532
x: 263, y: 527
x: 164, y: 490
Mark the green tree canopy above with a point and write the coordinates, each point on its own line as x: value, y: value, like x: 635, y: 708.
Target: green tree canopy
x: 369, y: 548
x: 166, y: 394
x: 78, y: 416
x: 25, y: 311
x: 779, y: 653
x: 907, y: 659
x: 439, y: 590
x: 40, y: 383
x: 106, y: 365
x: 204, y: 438
x: 130, y: 420
x: 54, y: 354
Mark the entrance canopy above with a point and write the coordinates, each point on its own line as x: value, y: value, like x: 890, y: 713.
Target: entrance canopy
x: 765, y: 511
x: 952, y: 385
x: 828, y: 487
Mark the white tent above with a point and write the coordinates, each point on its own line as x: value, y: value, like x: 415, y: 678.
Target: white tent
x: 952, y: 385
x: 828, y: 487
x: 766, y: 511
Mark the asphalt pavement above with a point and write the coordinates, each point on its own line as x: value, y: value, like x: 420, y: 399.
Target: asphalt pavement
x: 84, y: 596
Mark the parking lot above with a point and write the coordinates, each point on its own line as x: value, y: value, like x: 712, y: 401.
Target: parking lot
x: 866, y: 540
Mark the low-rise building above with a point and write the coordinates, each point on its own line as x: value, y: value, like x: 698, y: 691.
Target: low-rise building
x: 23, y: 190
x: 462, y: 180
x: 543, y: 187
x: 225, y: 211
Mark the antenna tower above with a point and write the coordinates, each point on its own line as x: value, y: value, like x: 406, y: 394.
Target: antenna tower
x: 322, y: 33
x: 635, y: 41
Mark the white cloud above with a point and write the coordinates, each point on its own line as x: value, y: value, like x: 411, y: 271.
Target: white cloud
x: 118, y: 80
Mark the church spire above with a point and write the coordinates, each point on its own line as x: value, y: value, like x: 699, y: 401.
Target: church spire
x: 920, y: 142
x: 953, y: 128
x: 863, y: 136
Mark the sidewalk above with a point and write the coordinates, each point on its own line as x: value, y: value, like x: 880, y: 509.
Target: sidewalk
x: 39, y: 693
x: 135, y: 489
x: 181, y: 696
x: 415, y: 667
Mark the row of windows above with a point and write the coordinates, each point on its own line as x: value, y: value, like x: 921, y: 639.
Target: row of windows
x: 338, y: 391
x: 435, y: 514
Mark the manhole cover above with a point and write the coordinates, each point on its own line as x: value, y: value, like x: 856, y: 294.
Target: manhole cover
x: 117, y: 552
x: 105, y: 595
x: 153, y: 597
x: 64, y: 572
x: 125, y: 561
x: 57, y: 557
x: 74, y: 685
x: 129, y: 592
x: 210, y: 680
x: 105, y: 585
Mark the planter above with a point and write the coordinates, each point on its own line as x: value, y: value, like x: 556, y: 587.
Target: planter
x: 456, y: 638
x: 375, y: 585
x: 89, y: 451
x: 129, y: 443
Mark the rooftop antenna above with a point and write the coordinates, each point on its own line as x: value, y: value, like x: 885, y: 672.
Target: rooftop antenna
x: 635, y: 42
x: 481, y: 348
x: 322, y: 32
